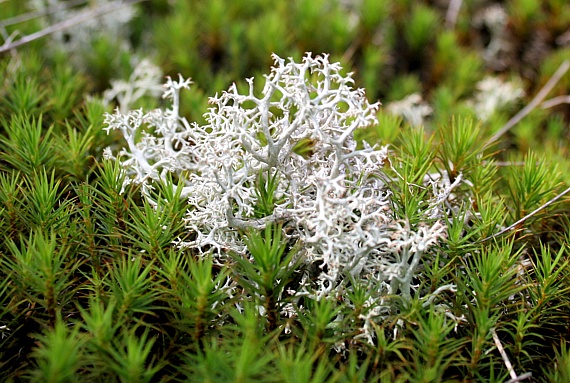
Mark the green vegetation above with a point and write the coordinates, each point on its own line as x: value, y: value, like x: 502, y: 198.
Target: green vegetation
x: 94, y: 285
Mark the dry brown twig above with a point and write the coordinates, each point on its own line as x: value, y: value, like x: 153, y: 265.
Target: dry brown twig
x: 452, y: 13
x: 555, y: 102
x: 82, y: 17
x: 536, y: 101
x: 512, y: 373
x: 542, y: 207
x: 47, y: 11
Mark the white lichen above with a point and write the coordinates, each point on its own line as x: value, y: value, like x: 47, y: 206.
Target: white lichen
x: 494, y: 95
x: 413, y: 108
x: 332, y: 195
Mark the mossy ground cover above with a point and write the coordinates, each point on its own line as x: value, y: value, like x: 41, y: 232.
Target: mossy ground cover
x: 94, y: 282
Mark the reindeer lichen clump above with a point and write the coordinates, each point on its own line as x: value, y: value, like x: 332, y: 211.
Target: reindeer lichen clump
x: 330, y: 192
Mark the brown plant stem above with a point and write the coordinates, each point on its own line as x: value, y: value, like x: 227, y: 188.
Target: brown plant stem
x: 536, y: 101
x: 85, y: 16
x: 544, y: 206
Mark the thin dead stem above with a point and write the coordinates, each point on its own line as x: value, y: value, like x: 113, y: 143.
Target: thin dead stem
x: 82, y: 17
x: 47, y: 11
x: 527, y: 216
x: 536, y: 101
x: 452, y: 12
x: 555, y: 102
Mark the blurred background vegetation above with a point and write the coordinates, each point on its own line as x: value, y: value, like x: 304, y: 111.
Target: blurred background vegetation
x: 439, y: 51
x: 394, y: 47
